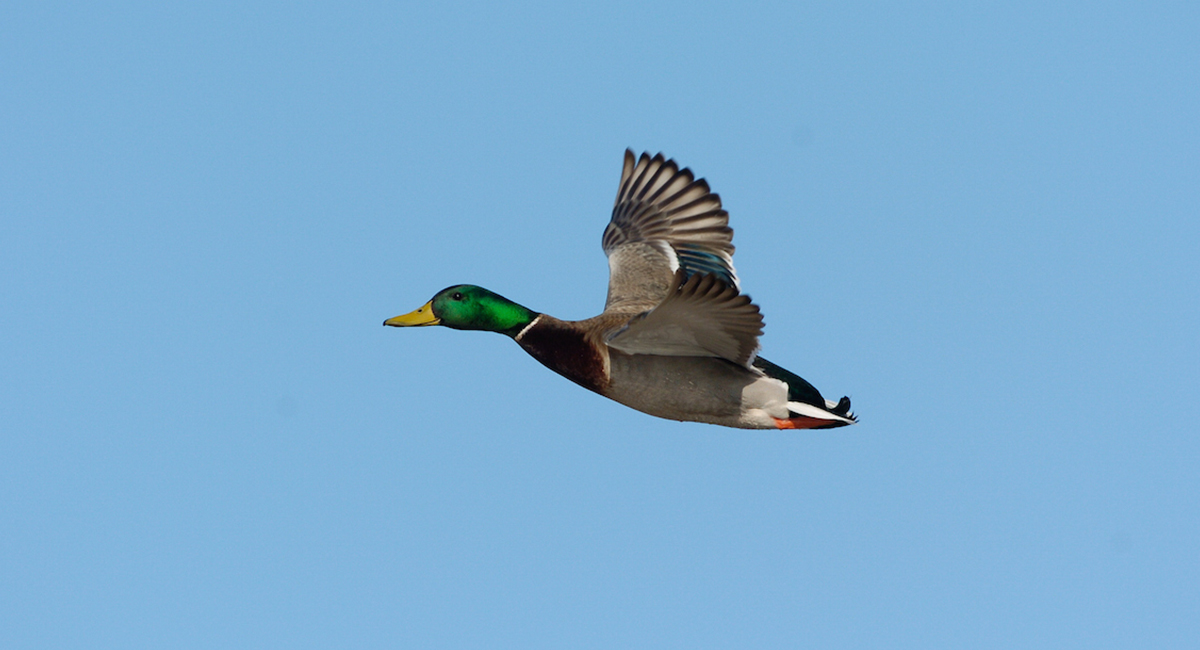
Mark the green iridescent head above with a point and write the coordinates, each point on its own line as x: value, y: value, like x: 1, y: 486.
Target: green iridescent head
x: 468, y: 307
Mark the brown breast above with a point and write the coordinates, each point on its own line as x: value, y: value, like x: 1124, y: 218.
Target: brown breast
x: 566, y: 349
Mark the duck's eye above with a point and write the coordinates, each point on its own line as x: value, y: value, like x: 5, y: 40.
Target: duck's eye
x: 457, y: 295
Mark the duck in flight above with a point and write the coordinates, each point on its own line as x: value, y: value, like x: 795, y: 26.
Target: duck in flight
x: 677, y: 338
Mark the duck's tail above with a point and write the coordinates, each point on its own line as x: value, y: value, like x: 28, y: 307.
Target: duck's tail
x: 807, y: 408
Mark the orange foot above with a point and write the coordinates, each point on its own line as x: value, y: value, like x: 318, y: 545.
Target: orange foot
x: 803, y: 422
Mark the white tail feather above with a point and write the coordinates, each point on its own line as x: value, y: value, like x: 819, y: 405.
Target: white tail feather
x: 810, y: 411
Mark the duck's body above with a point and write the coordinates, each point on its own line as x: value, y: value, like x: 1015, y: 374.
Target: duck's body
x: 689, y: 388
x: 676, y: 339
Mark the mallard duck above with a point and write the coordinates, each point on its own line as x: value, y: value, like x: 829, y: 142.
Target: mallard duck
x: 677, y: 338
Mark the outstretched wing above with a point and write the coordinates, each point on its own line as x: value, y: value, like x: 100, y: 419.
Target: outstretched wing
x: 702, y: 317
x: 664, y: 220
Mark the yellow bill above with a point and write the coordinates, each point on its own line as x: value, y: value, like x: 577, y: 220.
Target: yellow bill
x: 419, y: 318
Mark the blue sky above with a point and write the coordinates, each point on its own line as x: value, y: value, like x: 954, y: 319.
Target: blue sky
x: 978, y: 222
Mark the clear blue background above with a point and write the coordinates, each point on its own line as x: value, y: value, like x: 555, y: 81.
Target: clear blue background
x: 980, y: 222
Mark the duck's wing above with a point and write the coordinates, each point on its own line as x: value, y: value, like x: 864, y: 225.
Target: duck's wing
x: 664, y: 220
x: 702, y: 317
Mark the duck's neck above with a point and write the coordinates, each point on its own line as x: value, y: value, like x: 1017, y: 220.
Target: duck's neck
x: 512, y: 318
